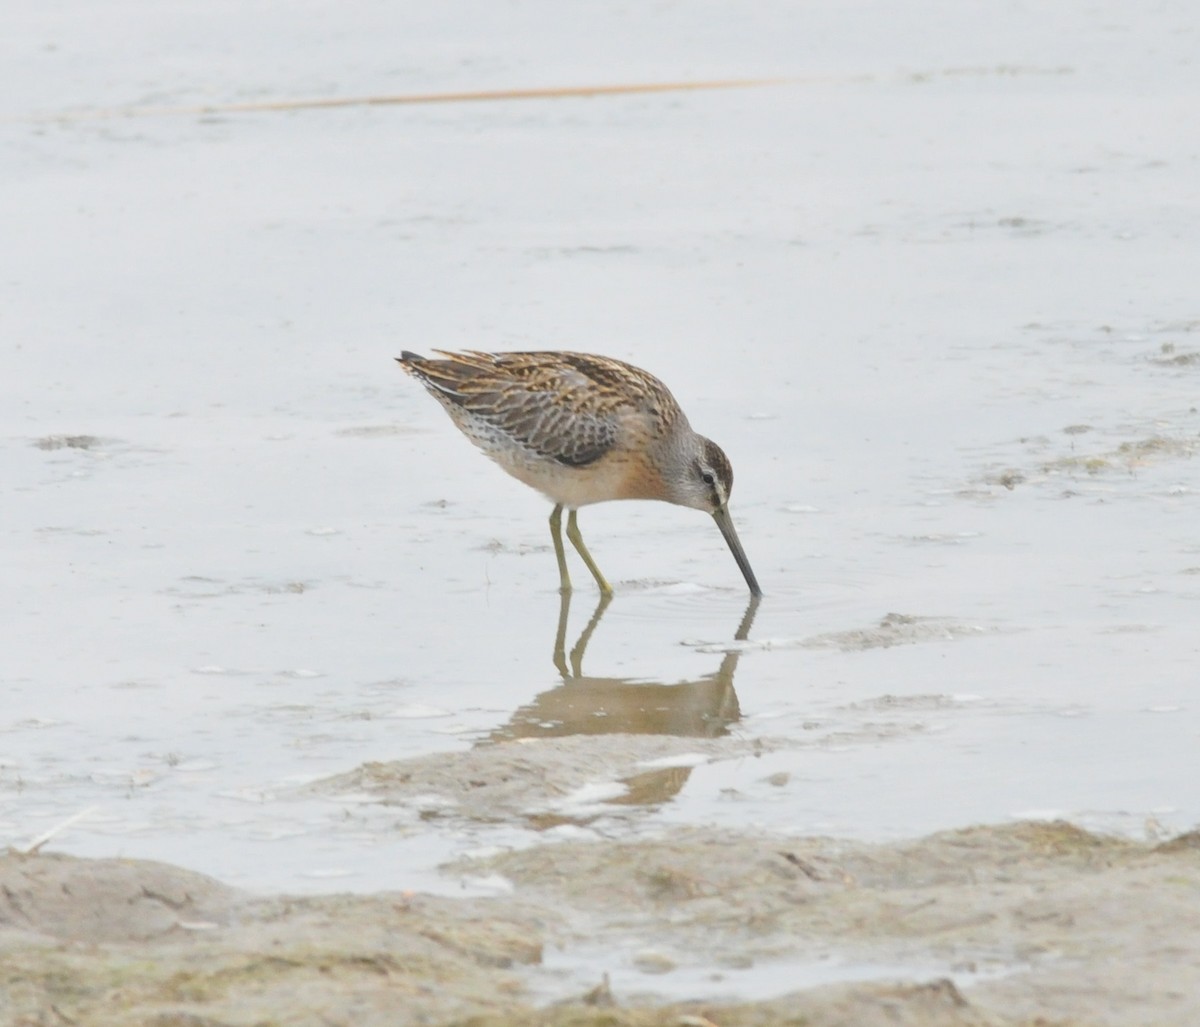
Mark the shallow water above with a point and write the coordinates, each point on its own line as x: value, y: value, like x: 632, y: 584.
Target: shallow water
x: 936, y: 300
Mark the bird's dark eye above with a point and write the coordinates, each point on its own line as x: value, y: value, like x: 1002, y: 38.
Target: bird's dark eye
x: 708, y: 478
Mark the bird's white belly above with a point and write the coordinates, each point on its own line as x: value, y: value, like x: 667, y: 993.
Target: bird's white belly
x: 571, y: 486
x: 605, y: 479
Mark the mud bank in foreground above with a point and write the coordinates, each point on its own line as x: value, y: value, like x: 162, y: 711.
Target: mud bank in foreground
x: 1020, y: 924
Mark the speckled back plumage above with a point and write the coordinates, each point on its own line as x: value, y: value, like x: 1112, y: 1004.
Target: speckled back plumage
x: 569, y: 407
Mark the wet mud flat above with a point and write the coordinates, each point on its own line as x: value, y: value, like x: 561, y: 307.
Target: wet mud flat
x: 1028, y: 923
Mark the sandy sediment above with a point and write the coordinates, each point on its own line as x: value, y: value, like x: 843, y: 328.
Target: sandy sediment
x: 1032, y: 923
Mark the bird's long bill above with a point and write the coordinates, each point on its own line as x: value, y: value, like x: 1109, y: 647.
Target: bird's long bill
x: 725, y: 523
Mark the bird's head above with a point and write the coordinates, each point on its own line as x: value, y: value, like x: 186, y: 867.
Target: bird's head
x: 703, y: 477
x: 703, y: 480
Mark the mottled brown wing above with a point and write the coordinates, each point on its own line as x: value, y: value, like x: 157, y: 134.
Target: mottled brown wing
x: 564, y: 406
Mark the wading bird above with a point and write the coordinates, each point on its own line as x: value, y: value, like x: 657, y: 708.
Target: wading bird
x: 582, y: 429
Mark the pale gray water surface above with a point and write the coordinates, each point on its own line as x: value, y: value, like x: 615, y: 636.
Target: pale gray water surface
x: 937, y: 300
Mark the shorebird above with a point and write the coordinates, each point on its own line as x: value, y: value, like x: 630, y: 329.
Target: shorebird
x: 582, y: 429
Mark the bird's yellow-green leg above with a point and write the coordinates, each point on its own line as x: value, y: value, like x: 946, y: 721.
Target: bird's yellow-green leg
x: 577, y: 542
x: 556, y: 535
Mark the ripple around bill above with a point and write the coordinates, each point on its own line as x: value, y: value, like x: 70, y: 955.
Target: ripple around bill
x: 680, y: 601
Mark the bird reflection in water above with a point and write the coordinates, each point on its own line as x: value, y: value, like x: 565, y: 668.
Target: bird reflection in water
x: 587, y: 705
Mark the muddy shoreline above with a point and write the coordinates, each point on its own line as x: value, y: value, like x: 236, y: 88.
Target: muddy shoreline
x: 1003, y: 925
